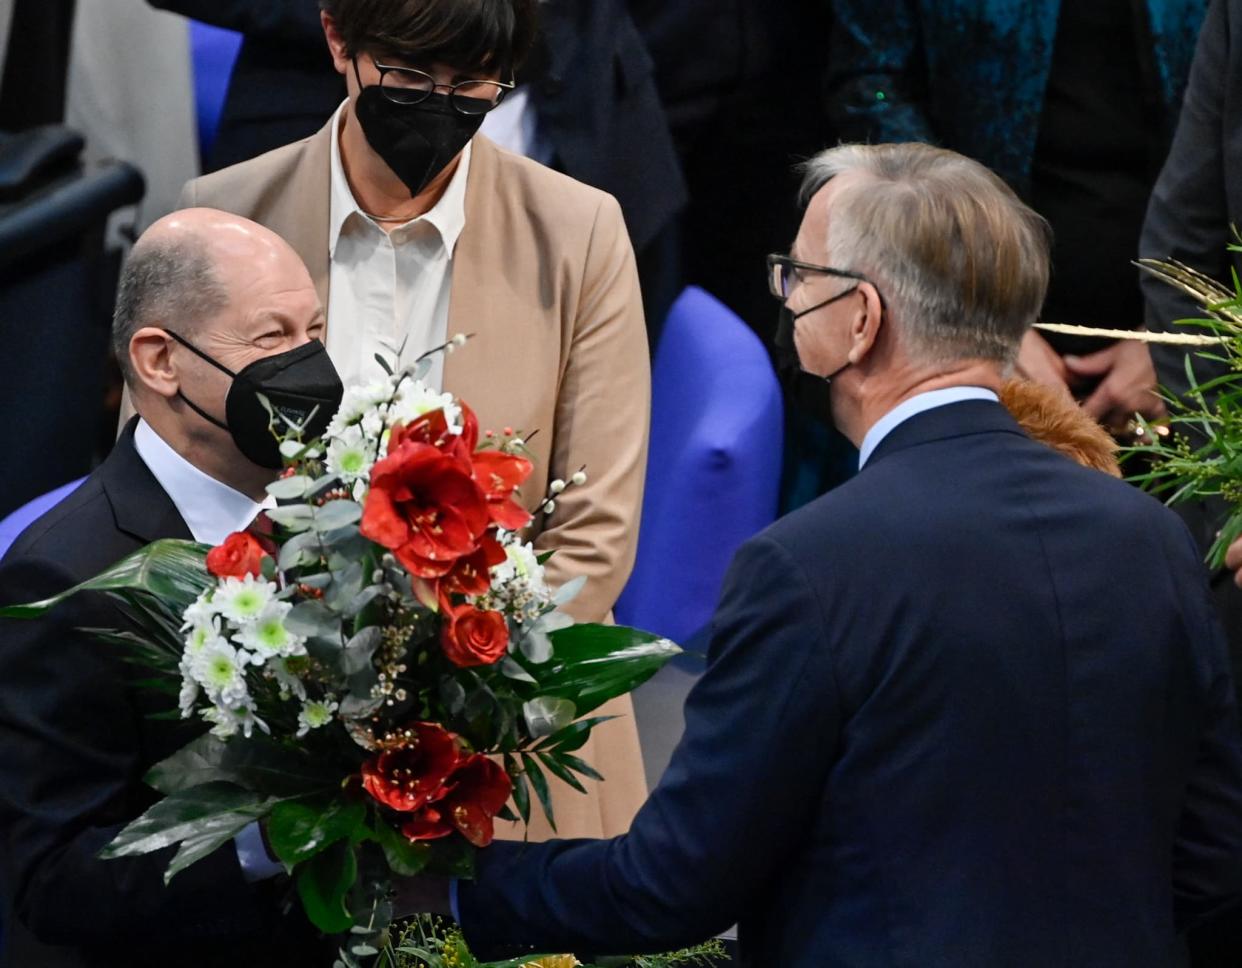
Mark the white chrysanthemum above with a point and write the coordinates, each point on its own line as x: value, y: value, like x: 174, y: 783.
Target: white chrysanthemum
x: 415, y: 399
x: 202, y: 635
x: 220, y: 670
x: 201, y: 612
x: 356, y: 401
x: 189, y: 690
x: 229, y: 721
x: 521, y: 568
x: 243, y: 600
x: 315, y: 715
x: 267, y: 637
x: 350, y: 455
x: 372, y: 423
x: 290, y: 682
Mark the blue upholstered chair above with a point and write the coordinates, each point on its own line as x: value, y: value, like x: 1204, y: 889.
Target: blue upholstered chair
x: 24, y: 516
x: 713, y: 473
x: 213, y: 52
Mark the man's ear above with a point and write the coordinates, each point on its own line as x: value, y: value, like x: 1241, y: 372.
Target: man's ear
x: 865, y: 324
x: 336, y: 44
x: 150, y: 359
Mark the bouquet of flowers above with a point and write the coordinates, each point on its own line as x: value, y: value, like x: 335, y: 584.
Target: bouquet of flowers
x: 383, y: 674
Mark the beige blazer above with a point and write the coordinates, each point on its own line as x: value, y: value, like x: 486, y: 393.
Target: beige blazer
x: 544, y: 279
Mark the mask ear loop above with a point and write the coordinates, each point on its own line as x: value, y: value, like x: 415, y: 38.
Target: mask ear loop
x: 219, y: 366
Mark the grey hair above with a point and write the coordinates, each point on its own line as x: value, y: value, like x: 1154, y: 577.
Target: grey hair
x: 961, y: 263
x: 169, y: 282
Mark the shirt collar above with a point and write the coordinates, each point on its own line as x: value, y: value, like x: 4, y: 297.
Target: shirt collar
x: 211, y: 510
x: 917, y: 404
x: 447, y: 216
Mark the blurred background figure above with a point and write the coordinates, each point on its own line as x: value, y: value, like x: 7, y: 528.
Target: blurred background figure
x: 1074, y: 104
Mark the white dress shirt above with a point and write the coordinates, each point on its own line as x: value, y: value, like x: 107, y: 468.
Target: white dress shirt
x: 917, y: 404
x: 212, y: 511
x: 389, y: 289
x: 514, y: 125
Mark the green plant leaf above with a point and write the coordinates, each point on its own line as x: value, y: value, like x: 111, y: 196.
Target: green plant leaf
x: 539, y: 783
x: 257, y: 764
x: 546, y: 715
x: 594, y: 663
x: 556, y: 769
x: 298, y: 830
x: 170, y: 570
x: 199, y: 812
x: 404, y: 858
x: 324, y: 882
x: 574, y: 736
x: 337, y: 514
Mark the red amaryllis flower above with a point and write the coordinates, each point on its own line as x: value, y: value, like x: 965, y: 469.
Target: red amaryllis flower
x: 240, y: 555
x: 499, y: 475
x: 472, y: 637
x: 476, y: 792
x: 471, y: 575
x: 432, y: 428
x: 410, y: 772
x: 425, y: 508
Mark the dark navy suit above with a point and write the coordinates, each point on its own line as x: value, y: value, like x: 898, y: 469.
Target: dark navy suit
x: 969, y: 709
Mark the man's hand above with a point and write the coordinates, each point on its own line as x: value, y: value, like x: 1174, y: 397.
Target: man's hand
x: 1127, y: 383
x: 1233, y: 561
x: 1039, y: 363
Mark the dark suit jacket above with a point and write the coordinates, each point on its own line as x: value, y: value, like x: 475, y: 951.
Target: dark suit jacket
x: 74, y: 745
x: 969, y: 709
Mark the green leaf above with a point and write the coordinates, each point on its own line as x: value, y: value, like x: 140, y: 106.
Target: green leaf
x: 324, y: 882
x: 298, y: 830
x: 569, y: 591
x: 404, y: 858
x: 256, y: 764
x: 521, y: 792
x: 539, y: 783
x: 299, y: 551
x: 337, y: 514
x: 359, y: 651
x: 289, y: 488
x: 594, y: 663
x: 546, y: 715
x: 579, y: 765
x: 574, y: 736
x: 293, y: 517
x: 210, y: 810
x: 561, y: 772
x: 172, y: 571
x: 313, y: 618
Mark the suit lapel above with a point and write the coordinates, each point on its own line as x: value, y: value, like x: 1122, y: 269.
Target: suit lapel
x: 140, y: 507
x: 302, y: 217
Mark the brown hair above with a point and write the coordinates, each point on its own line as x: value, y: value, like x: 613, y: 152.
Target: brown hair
x: 470, y: 35
x: 961, y: 262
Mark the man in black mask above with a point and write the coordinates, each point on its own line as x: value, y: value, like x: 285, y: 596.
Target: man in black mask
x: 417, y: 227
x: 213, y: 310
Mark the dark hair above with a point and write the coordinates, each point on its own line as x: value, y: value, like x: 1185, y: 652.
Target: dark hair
x: 164, y: 283
x: 470, y: 35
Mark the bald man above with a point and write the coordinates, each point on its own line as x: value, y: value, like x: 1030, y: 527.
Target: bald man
x: 205, y: 296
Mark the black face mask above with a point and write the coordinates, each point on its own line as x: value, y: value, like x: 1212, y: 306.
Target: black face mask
x: 417, y: 141
x: 297, y: 383
x: 807, y: 390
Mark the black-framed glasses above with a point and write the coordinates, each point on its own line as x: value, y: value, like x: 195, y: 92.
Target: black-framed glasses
x: 409, y: 85
x: 785, y: 272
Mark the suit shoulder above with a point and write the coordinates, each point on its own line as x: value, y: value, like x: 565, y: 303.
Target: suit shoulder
x: 240, y: 186
x: 552, y: 188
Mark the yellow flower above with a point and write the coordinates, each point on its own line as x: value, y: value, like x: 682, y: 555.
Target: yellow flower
x: 553, y: 961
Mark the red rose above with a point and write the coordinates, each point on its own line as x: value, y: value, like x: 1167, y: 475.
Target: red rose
x: 424, y: 507
x: 240, y: 555
x: 471, y: 575
x: 471, y: 637
x: 411, y: 771
x: 476, y: 792
x: 499, y: 475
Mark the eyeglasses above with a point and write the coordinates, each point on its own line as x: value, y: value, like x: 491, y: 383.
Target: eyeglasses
x: 408, y: 85
x: 784, y: 273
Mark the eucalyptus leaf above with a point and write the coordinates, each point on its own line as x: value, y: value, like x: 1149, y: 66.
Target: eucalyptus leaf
x: 299, y: 551
x: 172, y: 571
x: 337, y: 514
x: 289, y: 488
x: 363, y: 599
x: 346, y: 585
x: 536, y: 646
x: 294, y: 517
x: 360, y: 649
x: 546, y: 715
x: 568, y: 591
x: 313, y: 618
x: 512, y: 670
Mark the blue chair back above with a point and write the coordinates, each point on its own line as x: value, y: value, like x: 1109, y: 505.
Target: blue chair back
x: 213, y: 51
x: 28, y: 513
x: 713, y: 471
